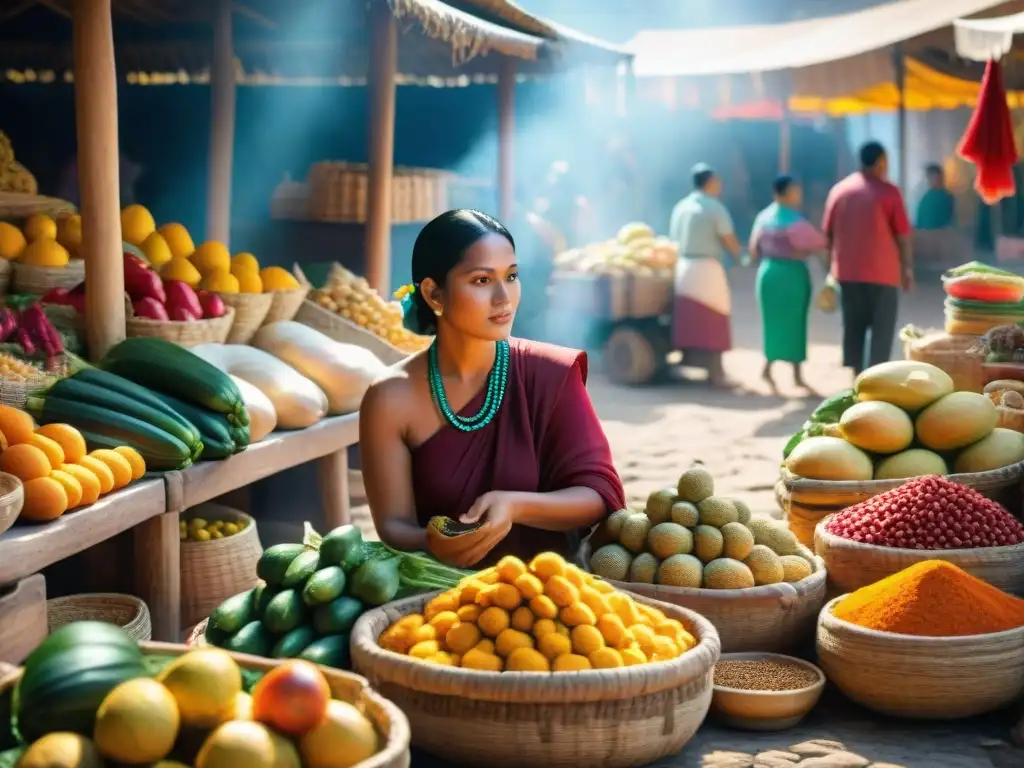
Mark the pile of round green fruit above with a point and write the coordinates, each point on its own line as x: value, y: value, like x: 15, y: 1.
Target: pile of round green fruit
x: 688, y: 537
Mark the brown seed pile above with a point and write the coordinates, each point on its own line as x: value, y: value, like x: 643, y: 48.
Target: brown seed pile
x: 763, y: 675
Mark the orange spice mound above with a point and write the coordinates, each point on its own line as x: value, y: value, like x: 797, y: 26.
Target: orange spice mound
x: 932, y: 598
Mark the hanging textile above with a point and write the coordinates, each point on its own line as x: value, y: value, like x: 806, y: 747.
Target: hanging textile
x: 988, y: 141
x: 986, y: 39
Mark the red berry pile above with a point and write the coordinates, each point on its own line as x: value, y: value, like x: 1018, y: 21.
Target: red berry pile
x: 928, y: 513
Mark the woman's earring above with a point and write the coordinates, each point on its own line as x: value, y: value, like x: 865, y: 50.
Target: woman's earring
x: 437, y: 311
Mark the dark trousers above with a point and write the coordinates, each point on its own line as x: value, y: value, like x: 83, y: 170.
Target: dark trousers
x: 868, y: 306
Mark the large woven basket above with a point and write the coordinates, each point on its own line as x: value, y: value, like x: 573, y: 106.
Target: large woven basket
x: 126, y: 611
x: 41, y: 280
x: 338, y: 328
x: 955, y: 355
x: 943, y: 678
x: 250, y: 311
x: 212, y: 571
x: 775, y: 617
x: 609, y: 717
x: 12, y: 499
x: 391, y: 725
x: 186, y: 334
x: 285, y: 304
x: 19, y: 205
x: 852, y: 565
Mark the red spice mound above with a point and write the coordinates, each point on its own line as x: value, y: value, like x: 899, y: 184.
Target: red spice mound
x: 928, y: 513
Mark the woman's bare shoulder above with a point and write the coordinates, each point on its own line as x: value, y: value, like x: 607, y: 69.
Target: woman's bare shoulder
x: 395, y: 386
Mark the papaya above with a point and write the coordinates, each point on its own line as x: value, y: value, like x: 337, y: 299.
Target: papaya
x: 907, y: 384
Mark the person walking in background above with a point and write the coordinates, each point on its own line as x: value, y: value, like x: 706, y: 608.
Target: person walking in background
x: 868, y: 235
x: 703, y: 228
x: 937, y: 207
x: 780, y: 240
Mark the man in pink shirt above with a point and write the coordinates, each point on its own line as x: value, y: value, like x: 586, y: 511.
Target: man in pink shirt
x: 869, y: 239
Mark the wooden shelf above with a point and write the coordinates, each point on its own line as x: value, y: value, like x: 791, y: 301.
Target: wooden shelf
x: 28, y: 549
x: 281, y: 450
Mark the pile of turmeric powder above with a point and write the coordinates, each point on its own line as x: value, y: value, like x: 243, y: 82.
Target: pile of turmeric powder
x: 932, y: 598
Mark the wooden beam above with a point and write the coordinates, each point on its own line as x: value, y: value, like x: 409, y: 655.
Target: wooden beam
x: 222, y: 129
x: 900, y: 69
x: 383, y: 68
x: 506, y: 138
x: 98, y: 176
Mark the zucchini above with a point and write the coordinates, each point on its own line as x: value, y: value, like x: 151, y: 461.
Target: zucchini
x: 214, y: 449
x: 93, y: 421
x: 156, y: 460
x: 79, y: 391
x: 212, y: 426
x: 164, y: 367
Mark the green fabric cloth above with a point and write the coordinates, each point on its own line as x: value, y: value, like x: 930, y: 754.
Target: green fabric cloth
x: 936, y: 209
x: 784, y: 295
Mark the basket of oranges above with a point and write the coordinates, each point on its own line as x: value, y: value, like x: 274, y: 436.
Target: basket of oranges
x: 545, y: 664
x: 219, y: 550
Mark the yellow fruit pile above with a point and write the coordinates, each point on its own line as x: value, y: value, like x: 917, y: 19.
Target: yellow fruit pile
x: 546, y: 617
x: 42, y: 241
x: 196, y: 713
x: 14, y: 177
x: 198, y: 529
x: 351, y: 297
x: 56, y: 473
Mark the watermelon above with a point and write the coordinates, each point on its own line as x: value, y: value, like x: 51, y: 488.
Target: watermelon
x: 981, y: 286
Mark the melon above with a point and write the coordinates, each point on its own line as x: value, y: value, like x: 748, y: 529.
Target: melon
x: 905, y: 383
x: 877, y: 426
x: 829, y: 458
x: 915, y: 462
x: 999, y: 449
x: 956, y: 421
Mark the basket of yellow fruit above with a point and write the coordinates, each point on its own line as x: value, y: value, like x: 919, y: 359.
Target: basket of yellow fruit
x: 289, y: 291
x: 220, y: 547
x: 541, y: 664
x: 45, y: 262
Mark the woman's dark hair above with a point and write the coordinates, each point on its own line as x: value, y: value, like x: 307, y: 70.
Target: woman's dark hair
x: 782, y: 184
x: 439, y: 247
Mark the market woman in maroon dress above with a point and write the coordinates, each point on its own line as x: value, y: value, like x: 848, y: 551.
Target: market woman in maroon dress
x: 481, y: 426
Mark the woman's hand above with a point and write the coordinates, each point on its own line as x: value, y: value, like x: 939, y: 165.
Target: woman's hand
x: 498, y: 511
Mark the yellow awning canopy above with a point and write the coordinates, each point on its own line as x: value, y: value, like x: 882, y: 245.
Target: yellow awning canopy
x: 924, y: 89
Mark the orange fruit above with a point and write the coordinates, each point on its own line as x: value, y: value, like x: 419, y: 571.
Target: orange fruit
x: 117, y: 464
x: 72, y: 487
x: 26, y: 462
x: 343, y: 738
x: 98, y: 468
x: 16, y: 425
x: 45, y: 500
x: 68, y: 438
x: 50, y: 447
x: 134, y: 458
x: 291, y: 698
x: 88, y: 481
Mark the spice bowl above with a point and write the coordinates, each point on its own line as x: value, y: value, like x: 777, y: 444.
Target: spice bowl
x: 766, y: 710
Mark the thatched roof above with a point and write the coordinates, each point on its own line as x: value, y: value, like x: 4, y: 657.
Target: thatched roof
x: 305, y: 41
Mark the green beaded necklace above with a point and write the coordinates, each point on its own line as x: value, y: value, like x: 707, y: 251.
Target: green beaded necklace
x: 497, y: 379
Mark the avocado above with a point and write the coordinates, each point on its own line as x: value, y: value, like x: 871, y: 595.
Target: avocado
x: 341, y: 546
x: 273, y: 563
x: 330, y: 651
x: 338, y: 616
x: 253, y: 638
x: 301, y: 568
x: 324, y: 585
x: 262, y: 596
x: 376, y: 581
x: 216, y: 637
x: 234, y: 613
x: 289, y: 646
x: 284, y: 612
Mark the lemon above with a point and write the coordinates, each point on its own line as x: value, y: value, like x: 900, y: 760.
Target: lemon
x: 69, y: 231
x: 216, y: 535
x: 137, y: 722
x: 211, y: 256
x: 200, y: 534
x: 343, y: 738
x: 61, y: 750
x: 204, y: 683
x: 137, y: 224
x: 230, y: 529
x: 12, y: 242
x: 245, y: 744
x: 156, y: 249
x: 197, y: 522
x: 178, y: 240
x: 242, y: 263
x: 40, y: 225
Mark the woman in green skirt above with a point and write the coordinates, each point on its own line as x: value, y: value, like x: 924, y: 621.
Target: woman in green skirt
x: 781, y: 239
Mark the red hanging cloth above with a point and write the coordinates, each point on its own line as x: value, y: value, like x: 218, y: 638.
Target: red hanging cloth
x: 988, y: 141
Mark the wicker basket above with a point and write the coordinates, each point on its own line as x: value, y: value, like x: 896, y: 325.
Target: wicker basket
x: 213, y: 571
x: 12, y: 498
x: 608, y: 717
x: 18, y: 205
x: 775, y: 617
x: 250, y: 311
x: 41, y: 280
x: 186, y: 334
x: 5, y: 276
x: 285, y: 304
x: 338, y: 328
x: 943, y: 678
x: 392, y: 726
x: 952, y: 354
x: 1010, y: 418
x: 126, y: 611
x: 852, y: 565
x: 16, y: 393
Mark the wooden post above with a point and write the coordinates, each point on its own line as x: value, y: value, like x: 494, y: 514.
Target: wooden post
x: 98, y: 176
x: 383, y: 68
x: 900, y: 70
x: 158, y: 574
x: 785, y: 140
x: 332, y: 478
x: 222, y: 129
x: 506, y: 138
